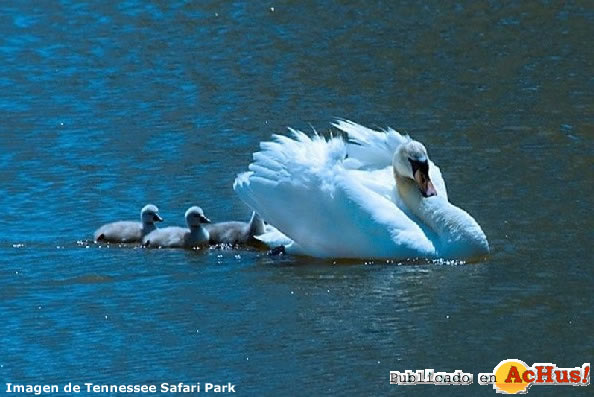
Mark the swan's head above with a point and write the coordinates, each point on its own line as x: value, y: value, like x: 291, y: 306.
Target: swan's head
x: 411, y: 161
x: 195, y: 217
x: 150, y: 214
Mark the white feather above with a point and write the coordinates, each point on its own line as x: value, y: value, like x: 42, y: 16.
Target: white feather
x: 337, y: 199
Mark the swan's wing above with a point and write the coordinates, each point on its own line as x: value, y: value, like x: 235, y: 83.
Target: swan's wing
x: 374, y: 149
x: 301, y: 187
x: 370, y: 149
x: 120, y: 232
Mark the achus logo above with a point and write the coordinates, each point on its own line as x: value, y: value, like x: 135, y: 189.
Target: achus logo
x: 514, y: 376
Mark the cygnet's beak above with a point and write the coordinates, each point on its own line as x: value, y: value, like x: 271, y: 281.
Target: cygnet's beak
x: 204, y: 219
x: 157, y: 218
x: 425, y: 185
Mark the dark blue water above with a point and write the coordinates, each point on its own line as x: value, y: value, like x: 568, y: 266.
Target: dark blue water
x: 107, y: 106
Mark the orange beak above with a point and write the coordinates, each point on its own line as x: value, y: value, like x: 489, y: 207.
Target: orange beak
x: 425, y: 186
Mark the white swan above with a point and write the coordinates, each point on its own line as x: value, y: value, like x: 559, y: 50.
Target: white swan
x: 130, y: 231
x: 376, y: 196
x: 235, y: 232
x: 180, y: 237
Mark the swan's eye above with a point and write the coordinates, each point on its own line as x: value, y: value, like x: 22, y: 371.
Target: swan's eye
x: 422, y: 166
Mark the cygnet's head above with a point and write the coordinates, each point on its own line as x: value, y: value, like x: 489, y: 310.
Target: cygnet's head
x: 411, y: 161
x: 150, y: 214
x: 195, y: 217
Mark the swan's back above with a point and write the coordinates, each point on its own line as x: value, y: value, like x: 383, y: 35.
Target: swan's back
x: 167, y: 237
x: 121, y: 232
x: 234, y: 232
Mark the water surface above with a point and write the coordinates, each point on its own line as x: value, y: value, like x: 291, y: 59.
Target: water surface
x: 107, y: 106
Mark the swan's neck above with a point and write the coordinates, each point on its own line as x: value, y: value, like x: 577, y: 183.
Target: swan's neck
x: 148, y: 227
x: 420, y: 206
x: 199, y: 234
x: 459, y: 234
